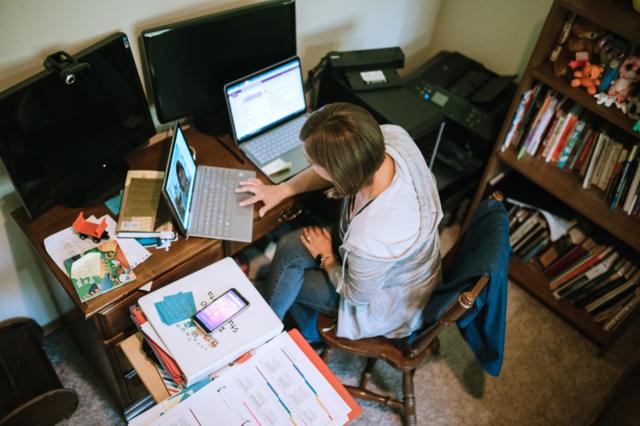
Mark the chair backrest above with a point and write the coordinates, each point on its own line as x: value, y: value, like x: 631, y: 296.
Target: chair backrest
x: 481, y: 252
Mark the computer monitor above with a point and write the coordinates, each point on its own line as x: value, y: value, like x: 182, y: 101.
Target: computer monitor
x: 66, y: 143
x: 188, y: 63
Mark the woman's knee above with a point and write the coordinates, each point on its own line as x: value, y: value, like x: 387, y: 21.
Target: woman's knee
x: 290, y: 243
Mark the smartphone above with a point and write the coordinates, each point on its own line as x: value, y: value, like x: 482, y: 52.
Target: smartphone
x: 221, y: 310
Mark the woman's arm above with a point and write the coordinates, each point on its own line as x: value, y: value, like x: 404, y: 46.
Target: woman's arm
x: 272, y: 195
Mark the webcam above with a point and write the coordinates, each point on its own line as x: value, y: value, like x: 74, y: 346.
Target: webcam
x: 67, y: 67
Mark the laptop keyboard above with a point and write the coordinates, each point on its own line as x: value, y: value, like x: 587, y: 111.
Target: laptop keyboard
x: 276, y: 142
x: 217, y: 204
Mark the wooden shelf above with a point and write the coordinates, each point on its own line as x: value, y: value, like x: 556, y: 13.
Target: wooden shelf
x: 544, y: 73
x: 616, y: 16
x: 568, y: 188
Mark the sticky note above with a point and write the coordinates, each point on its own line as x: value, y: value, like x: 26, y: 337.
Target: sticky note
x: 276, y: 166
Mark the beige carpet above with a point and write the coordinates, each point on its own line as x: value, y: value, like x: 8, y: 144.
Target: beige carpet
x: 552, y: 375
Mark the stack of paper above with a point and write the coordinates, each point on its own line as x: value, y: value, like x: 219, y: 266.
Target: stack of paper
x: 168, y: 312
x: 66, y: 244
x: 284, y: 382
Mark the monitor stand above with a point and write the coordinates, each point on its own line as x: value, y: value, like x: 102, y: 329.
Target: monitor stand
x: 95, y: 188
x: 213, y: 122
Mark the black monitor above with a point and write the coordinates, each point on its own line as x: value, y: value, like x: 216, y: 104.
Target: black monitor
x: 66, y: 143
x: 189, y: 62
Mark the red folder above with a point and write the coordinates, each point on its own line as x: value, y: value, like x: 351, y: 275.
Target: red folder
x: 356, y: 410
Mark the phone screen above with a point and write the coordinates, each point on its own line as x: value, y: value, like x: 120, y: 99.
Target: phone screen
x: 221, y: 310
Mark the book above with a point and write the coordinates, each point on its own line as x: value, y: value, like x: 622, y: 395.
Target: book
x: 574, y: 236
x: 570, y: 123
x: 522, y: 230
x: 601, y: 161
x: 518, y: 117
x: 615, y: 292
x: 196, y: 353
x: 98, y: 270
x: 534, y: 237
x: 573, y: 139
x: 610, y: 161
x: 530, y: 235
x: 593, y: 160
x: 625, y: 178
x: 575, y: 254
x: 624, y: 312
x: 143, y: 213
x: 614, y: 180
x: 585, y: 155
x: 539, y: 125
x: 281, y: 382
x: 633, y: 186
x: 579, y: 282
x: 580, y: 146
x: 597, y: 255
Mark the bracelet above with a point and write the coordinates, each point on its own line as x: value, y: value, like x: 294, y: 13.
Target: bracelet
x: 321, y: 259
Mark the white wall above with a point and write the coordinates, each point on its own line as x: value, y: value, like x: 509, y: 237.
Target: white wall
x: 497, y: 33
x: 32, y: 29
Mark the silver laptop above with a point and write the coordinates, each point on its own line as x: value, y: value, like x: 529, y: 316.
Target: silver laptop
x: 202, y: 198
x: 267, y: 111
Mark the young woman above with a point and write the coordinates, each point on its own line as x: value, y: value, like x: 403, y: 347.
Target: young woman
x: 378, y: 267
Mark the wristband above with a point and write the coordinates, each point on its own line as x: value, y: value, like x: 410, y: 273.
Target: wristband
x: 321, y: 259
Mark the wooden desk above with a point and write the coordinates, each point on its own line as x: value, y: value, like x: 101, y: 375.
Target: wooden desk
x: 106, y: 320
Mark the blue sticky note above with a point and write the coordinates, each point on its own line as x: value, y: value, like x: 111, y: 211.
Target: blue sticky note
x: 176, y: 307
x: 113, y: 204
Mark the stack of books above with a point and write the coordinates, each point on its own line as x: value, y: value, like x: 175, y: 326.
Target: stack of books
x: 583, y: 266
x: 557, y: 130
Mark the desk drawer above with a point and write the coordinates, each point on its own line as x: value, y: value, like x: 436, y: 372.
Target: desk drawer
x: 115, y: 318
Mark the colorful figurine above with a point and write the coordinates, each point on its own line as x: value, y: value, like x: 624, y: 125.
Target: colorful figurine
x: 589, y: 77
x: 85, y: 229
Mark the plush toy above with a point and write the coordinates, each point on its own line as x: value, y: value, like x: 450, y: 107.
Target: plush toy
x: 633, y: 103
x: 613, y: 53
x: 589, y: 77
x: 629, y: 75
x: 583, y: 38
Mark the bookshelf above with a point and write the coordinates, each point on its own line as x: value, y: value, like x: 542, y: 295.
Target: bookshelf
x: 617, y: 17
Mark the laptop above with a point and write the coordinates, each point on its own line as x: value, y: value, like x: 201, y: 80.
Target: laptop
x: 267, y: 110
x: 202, y: 198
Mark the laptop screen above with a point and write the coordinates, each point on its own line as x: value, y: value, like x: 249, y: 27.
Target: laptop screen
x: 180, y: 178
x: 266, y: 98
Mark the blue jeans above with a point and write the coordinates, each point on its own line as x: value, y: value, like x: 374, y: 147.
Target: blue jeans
x: 296, y: 284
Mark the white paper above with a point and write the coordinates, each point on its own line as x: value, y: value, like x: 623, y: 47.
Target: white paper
x: 372, y: 77
x: 151, y: 333
x: 557, y: 225
x: 279, y: 385
x: 66, y: 243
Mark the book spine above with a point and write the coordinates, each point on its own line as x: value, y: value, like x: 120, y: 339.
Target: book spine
x: 609, y: 165
x: 633, y: 187
x: 582, y: 142
x: 564, y: 156
x: 623, y: 183
x: 523, y: 229
x: 586, y: 183
x: 601, y: 162
x: 624, y: 312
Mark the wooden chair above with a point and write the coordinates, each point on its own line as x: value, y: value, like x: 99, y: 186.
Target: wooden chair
x: 30, y: 390
x: 408, y: 357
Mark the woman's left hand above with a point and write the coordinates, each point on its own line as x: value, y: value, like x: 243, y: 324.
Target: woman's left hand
x: 317, y: 241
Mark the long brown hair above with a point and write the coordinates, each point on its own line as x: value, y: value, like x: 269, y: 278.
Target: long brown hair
x: 346, y: 141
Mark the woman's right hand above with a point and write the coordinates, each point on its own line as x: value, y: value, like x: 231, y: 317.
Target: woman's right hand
x: 270, y: 195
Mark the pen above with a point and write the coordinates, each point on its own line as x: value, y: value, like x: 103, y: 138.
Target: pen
x: 236, y: 156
